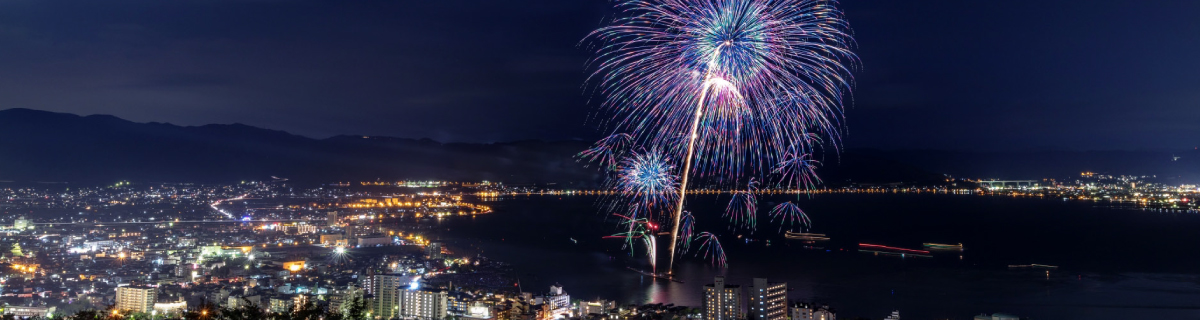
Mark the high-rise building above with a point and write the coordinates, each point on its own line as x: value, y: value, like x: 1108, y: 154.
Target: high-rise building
x: 423, y: 304
x: 136, y: 299
x: 806, y: 311
x: 768, y: 300
x: 721, y: 301
x: 386, y: 288
x: 434, y: 250
x: 331, y: 218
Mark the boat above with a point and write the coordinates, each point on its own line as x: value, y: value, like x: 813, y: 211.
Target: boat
x: 892, y: 251
x: 806, y: 236
x: 655, y: 275
x: 1031, y: 266
x: 943, y: 246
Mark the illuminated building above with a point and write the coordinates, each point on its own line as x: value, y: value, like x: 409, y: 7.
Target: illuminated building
x: 22, y: 224
x: 165, y: 308
x: 458, y: 303
x: 28, y: 312
x: 722, y: 302
x: 282, y: 304
x: 559, y: 300
x: 434, y: 250
x: 423, y: 304
x: 805, y: 311
x: 330, y: 239
x: 386, y: 288
x: 768, y: 300
x: 595, y: 307
x: 331, y: 218
x: 294, y: 266
x: 136, y: 299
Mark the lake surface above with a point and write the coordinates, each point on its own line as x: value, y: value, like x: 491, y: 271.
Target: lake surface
x: 1113, y: 263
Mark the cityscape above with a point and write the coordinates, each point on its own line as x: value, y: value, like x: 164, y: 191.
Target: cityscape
x: 367, y: 249
x: 599, y: 160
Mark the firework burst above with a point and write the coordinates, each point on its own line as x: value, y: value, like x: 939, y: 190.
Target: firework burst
x: 647, y: 179
x: 743, y: 208
x: 790, y: 214
x: 753, y: 77
x: 688, y: 224
x: 608, y: 151
x: 798, y: 169
x: 645, y: 185
x: 711, y: 247
x: 731, y: 86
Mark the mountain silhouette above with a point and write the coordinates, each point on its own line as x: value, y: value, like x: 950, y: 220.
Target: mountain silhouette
x: 39, y: 146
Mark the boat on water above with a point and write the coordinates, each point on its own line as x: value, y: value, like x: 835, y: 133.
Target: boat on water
x: 655, y: 275
x: 1031, y: 266
x: 943, y: 246
x: 806, y: 236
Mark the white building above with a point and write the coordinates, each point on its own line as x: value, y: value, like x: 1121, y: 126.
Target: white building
x: 423, y: 304
x: 722, y: 302
x: 559, y: 300
x: 136, y: 299
x: 768, y: 300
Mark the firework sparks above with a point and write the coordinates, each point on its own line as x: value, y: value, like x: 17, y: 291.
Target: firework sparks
x: 685, y: 230
x: 798, y: 169
x: 790, y: 214
x: 640, y: 230
x: 754, y: 77
x: 743, y: 208
x: 732, y: 85
x: 712, y: 249
x: 647, y: 181
x: 608, y: 151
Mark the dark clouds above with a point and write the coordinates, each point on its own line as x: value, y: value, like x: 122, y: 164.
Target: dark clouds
x: 937, y: 74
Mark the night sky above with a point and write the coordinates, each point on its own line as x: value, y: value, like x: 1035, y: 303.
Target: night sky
x: 963, y: 75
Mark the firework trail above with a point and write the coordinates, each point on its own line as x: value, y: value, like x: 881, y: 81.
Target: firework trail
x: 640, y: 229
x: 742, y: 81
x: 685, y: 230
x: 743, y: 208
x: 711, y: 248
x: 790, y: 214
x: 608, y: 151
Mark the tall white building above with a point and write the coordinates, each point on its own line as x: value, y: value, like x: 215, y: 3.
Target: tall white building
x: 423, y: 304
x: 136, y: 299
x: 722, y: 302
x: 768, y: 300
x: 387, y: 291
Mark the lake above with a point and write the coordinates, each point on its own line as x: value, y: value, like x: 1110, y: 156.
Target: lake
x: 1112, y: 263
